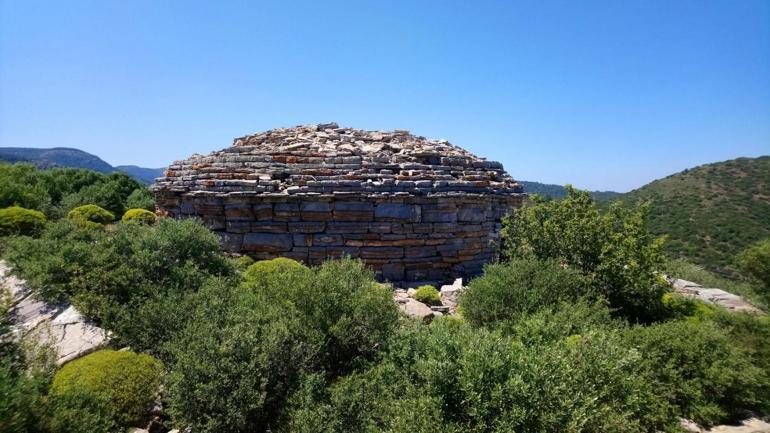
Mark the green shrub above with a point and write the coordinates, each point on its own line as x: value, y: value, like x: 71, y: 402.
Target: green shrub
x: 251, y: 347
x: 612, y: 248
x: 453, y: 378
x: 428, y: 295
x: 90, y: 215
x: 561, y: 321
x: 54, y: 192
x: 243, y: 262
x: 20, y: 221
x: 141, y: 198
x: 264, y: 271
x: 508, y: 291
x: 699, y: 372
x: 120, y: 385
x: 140, y: 216
x: 24, y: 375
x: 755, y: 262
x: 109, y: 275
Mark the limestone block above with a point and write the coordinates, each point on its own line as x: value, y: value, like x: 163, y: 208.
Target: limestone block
x: 267, y: 242
x: 397, y: 212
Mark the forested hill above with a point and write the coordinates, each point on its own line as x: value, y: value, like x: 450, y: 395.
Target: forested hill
x: 711, y: 212
x: 74, y: 158
x: 55, y: 157
x: 558, y: 191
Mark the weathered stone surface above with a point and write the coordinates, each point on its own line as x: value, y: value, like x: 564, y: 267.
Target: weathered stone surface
x: 60, y: 326
x: 412, y: 208
x: 416, y: 309
x: 719, y: 297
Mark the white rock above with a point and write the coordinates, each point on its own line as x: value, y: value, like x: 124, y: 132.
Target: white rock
x: 416, y: 309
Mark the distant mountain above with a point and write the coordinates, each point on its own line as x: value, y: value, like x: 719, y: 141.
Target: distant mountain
x: 710, y: 212
x: 56, y: 157
x: 558, y: 191
x: 75, y: 158
x: 147, y: 175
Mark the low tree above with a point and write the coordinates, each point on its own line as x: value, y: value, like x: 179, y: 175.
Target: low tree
x: 613, y: 248
x: 755, y: 262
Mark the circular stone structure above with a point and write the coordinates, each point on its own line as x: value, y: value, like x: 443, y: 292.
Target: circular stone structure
x: 413, y: 209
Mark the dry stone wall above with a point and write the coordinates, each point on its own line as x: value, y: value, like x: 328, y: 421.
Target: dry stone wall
x: 413, y: 209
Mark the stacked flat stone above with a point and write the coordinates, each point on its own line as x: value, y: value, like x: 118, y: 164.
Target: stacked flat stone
x: 413, y: 209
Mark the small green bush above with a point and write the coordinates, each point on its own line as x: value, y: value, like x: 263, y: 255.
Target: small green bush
x: 428, y: 295
x: 119, y: 385
x: 755, y: 262
x: 141, y: 216
x: 17, y: 220
x: 90, y: 215
x: 242, y: 263
x: 261, y: 272
x: 508, y: 291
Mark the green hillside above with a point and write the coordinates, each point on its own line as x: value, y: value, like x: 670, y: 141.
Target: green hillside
x: 711, y: 212
x: 559, y: 191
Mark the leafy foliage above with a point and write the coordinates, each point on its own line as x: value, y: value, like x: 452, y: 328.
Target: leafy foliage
x: 16, y: 220
x: 90, y: 214
x: 25, y: 370
x: 140, y: 216
x: 470, y: 380
x: 427, y: 294
x: 712, y: 212
x: 56, y: 191
x: 104, y: 389
x: 264, y: 272
x: 755, y: 262
x: 613, y: 248
x: 111, y: 275
x: 141, y: 198
x: 522, y: 286
x: 698, y: 370
x: 245, y: 351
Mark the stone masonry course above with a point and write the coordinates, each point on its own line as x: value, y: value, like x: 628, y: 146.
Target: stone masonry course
x: 413, y: 209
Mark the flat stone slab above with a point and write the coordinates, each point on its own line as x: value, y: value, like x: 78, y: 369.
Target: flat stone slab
x: 61, y: 326
x: 413, y: 308
x: 752, y: 425
x: 719, y: 297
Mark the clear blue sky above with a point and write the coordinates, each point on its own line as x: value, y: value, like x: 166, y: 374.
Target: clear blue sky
x: 600, y: 94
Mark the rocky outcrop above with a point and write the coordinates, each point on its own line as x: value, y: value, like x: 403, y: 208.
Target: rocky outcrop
x: 413, y: 209
x: 719, y: 297
x: 752, y: 425
x: 60, y: 326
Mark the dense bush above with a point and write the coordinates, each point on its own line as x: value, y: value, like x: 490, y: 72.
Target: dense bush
x: 90, y: 214
x: 25, y: 369
x: 244, y: 351
x: 453, y: 378
x: 265, y: 271
x: 111, y: 275
x: 519, y: 287
x: 242, y: 263
x: 56, y: 191
x: 755, y: 262
x: 104, y: 389
x: 428, y: 295
x: 699, y: 372
x: 16, y: 220
x: 141, y: 198
x: 612, y: 248
x: 141, y: 216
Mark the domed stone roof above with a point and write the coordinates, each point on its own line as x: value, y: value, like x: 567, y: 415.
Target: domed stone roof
x: 327, y: 159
